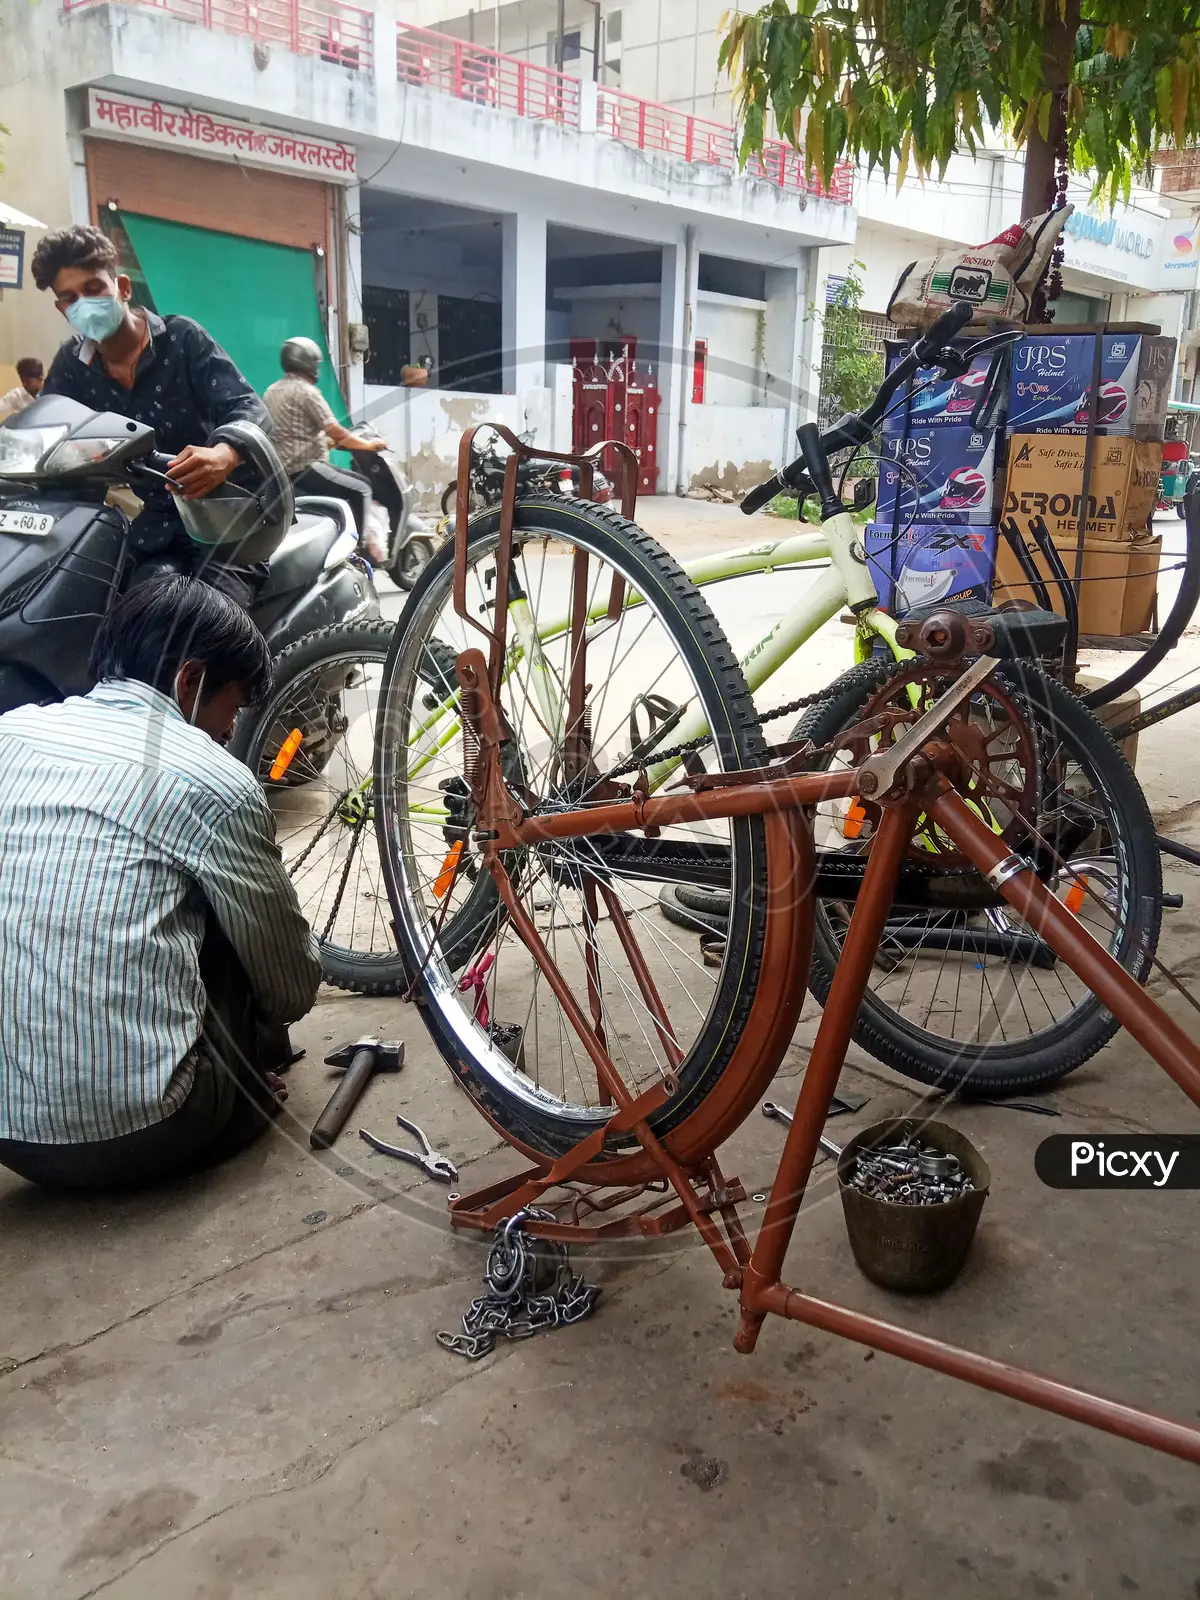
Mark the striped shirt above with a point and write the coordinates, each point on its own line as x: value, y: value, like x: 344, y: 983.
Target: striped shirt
x: 300, y: 415
x: 119, y: 825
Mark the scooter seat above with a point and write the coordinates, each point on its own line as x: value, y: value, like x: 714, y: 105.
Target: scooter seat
x: 301, y: 557
x: 1020, y: 635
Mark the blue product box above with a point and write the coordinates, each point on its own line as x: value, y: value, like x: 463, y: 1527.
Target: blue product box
x: 947, y: 402
x: 938, y: 475
x: 1051, y: 383
x: 932, y: 561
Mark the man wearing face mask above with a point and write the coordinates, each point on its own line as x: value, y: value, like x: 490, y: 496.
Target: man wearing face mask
x: 152, y: 947
x: 163, y: 371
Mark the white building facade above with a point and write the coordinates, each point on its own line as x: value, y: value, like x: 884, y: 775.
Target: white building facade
x: 477, y: 213
x: 495, y: 194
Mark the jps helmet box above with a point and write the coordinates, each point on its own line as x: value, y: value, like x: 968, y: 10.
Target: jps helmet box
x: 1051, y: 385
x: 938, y: 474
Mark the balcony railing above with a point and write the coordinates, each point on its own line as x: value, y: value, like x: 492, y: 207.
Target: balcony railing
x: 647, y: 126
x: 485, y: 77
x: 336, y: 32
x: 488, y: 77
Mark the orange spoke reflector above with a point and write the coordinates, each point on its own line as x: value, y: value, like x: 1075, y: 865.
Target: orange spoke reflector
x: 1075, y: 896
x: 286, y: 751
x: 855, y: 817
x: 441, y: 884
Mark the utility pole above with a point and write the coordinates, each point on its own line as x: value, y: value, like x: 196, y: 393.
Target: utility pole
x: 558, y: 41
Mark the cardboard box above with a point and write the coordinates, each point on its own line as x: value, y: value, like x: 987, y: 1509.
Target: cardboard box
x: 938, y: 475
x: 1045, y: 479
x: 932, y: 561
x: 1123, y: 709
x: 1116, y: 594
x: 946, y: 402
x: 1050, y: 389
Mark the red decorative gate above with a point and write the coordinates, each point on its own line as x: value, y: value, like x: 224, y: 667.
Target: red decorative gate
x: 615, y: 399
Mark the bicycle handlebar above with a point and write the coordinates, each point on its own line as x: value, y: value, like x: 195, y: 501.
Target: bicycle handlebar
x: 855, y: 428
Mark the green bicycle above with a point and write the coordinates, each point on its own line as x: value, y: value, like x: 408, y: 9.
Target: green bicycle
x: 962, y: 997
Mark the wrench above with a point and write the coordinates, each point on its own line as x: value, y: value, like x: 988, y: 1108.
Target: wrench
x: 776, y: 1113
x: 431, y: 1162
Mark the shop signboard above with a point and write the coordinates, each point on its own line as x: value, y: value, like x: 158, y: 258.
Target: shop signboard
x: 1141, y: 249
x: 200, y: 133
x: 12, y: 257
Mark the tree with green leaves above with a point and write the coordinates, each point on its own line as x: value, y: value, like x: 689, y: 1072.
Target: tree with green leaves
x: 851, y: 370
x: 1096, y: 86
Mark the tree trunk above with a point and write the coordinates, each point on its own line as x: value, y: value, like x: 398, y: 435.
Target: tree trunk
x: 1041, y: 155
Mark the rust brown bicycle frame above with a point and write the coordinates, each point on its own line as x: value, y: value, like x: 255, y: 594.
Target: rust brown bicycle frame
x: 757, y: 1272
x: 923, y: 785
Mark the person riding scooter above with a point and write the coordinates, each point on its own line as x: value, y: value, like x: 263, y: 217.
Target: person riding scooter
x: 305, y: 427
x: 166, y: 372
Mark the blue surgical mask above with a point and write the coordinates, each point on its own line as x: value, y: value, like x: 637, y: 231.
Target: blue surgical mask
x: 97, y: 316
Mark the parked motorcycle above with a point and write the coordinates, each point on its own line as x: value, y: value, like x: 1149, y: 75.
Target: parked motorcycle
x: 411, y: 542
x: 488, y: 464
x: 65, y: 553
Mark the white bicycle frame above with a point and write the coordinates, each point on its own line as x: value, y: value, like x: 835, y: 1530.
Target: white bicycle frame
x: 847, y: 581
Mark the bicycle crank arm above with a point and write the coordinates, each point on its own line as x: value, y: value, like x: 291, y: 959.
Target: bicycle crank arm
x: 878, y: 774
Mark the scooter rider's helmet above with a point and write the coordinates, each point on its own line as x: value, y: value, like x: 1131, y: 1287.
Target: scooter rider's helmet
x: 301, y: 355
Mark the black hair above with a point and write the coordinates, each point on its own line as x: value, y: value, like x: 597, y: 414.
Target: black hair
x: 30, y: 367
x: 160, y: 624
x: 72, y: 247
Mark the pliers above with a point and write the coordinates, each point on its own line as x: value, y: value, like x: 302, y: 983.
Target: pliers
x: 432, y: 1162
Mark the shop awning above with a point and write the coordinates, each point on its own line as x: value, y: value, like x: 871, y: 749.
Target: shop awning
x: 248, y: 294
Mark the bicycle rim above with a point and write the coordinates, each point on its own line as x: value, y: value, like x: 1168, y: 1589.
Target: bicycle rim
x: 660, y: 1010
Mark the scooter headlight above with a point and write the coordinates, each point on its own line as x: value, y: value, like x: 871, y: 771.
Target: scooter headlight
x: 73, y: 455
x: 22, y: 448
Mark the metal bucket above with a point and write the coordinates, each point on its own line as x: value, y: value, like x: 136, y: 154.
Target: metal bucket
x: 914, y: 1248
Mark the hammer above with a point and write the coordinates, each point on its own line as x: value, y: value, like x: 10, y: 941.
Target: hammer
x: 360, y: 1061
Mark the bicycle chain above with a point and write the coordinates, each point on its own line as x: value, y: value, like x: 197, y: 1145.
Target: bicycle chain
x: 694, y: 746
x: 312, y: 844
x: 512, y: 1306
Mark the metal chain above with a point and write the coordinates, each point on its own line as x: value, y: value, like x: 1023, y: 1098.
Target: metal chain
x: 359, y: 824
x: 294, y: 866
x: 653, y: 758
x: 530, y: 1287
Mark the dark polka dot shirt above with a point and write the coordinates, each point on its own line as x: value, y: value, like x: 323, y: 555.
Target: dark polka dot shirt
x: 184, y: 387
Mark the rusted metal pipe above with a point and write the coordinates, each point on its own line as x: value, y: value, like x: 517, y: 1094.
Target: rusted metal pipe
x: 662, y: 811
x: 1149, y: 1024
x: 1033, y: 1388
x: 825, y: 1064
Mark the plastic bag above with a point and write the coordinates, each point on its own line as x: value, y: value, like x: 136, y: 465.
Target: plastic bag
x: 377, y: 536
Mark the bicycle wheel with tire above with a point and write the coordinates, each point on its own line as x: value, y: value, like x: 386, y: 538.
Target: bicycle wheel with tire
x: 967, y: 997
x: 410, y: 561
x: 662, y: 1012
x: 311, y: 746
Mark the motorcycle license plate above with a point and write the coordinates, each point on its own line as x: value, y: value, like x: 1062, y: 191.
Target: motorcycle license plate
x: 34, y: 523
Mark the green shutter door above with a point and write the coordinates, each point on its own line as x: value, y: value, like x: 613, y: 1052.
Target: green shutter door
x: 248, y: 294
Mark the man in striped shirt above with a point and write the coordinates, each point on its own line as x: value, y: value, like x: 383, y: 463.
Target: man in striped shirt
x: 148, y: 930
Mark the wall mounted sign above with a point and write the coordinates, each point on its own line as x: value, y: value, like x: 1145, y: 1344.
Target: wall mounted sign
x: 121, y: 116
x: 12, y: 257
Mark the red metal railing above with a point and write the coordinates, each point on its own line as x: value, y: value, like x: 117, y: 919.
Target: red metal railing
x: 336, y: 32
x: 486, y: 77
x: 653, y: 127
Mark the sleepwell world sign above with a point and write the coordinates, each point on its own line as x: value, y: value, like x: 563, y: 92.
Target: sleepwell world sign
x: 1142, y: 249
